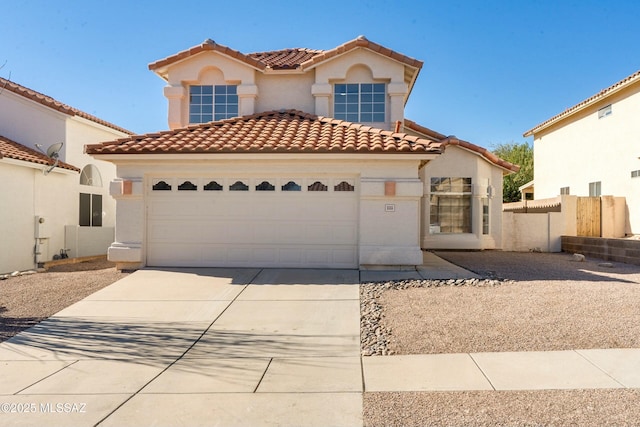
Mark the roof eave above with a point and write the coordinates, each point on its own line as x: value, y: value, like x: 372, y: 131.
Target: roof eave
x: 507, y: 167
x: 587, y: 103
x: 361, y: 43
x: 161, y: 66
x: 186, y: 157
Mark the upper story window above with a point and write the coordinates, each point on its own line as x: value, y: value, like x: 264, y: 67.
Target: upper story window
x: 595, y: 189
x: 359, y: 102
x: 207, y: 103
x: 604, y: 111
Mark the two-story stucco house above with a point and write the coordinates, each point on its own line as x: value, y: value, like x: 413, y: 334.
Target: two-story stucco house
x: 48, y: 205
x: 593, y: 149
x: 297, y: 158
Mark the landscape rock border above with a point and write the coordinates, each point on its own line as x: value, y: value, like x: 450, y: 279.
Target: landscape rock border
x: 374, y: 335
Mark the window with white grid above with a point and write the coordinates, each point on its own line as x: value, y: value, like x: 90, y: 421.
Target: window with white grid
x: 450, y: 205
x: 207, y: 103
x: 359, y: 102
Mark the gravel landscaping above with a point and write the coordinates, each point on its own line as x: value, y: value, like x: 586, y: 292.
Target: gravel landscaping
x: 584, y: 408
x: 28, y: 299
x: 526, y: 302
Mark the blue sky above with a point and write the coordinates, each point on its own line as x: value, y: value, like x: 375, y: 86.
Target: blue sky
x: 492, y: 69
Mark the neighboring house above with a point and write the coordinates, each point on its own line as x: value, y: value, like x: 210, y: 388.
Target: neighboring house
x: 593, y: 149
x: 49, y: 206
x: 297, y: 158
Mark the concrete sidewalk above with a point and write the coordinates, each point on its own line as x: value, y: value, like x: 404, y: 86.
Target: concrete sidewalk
x: 548, y: 370
x: 433, y: 268
x: 243, y: 347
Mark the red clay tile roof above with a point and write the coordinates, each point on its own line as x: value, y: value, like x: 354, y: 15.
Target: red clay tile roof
x: 286, y: 58
x: 12, y: 150
x: 288, y: 131
x: 207, y: 45
x: 627, y: 81
x: 452, y: 140
x: 362, y: 41
x: 52, y: 103
x: 432, y: 134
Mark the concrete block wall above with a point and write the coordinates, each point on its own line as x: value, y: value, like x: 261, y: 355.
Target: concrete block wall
x: 619, y: 250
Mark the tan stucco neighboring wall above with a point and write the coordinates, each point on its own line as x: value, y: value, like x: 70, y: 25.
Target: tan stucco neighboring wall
x: 79, y: 133
x: 18, y: 116
x: 27, y: 192
x: 587, y: 149
x: 486, y: 182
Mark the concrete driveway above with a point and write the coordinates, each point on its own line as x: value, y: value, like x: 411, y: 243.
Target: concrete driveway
x: 194, y: 347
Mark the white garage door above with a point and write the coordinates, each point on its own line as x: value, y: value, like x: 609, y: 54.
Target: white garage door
x: 252, y: 222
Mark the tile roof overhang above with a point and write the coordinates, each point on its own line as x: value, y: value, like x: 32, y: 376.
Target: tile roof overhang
x: 48, y: 101
x: 298, y: 59
x: 12, y: 150
x: 282, y: 132
x: 361, y: 42
x: 445, y: 141
x: 159, y: 66
x: 603, y: 94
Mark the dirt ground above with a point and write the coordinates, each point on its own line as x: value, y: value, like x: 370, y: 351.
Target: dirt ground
x: 27, y: 300
x: 553, y: 303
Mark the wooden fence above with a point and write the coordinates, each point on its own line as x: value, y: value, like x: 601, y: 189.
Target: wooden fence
x: 588, y: 211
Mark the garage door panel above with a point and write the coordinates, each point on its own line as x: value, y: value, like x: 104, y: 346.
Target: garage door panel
x: 344, y: 232
x: 265, y: 256
x: 174, y: 255
x: 346, y: 255
x: 249, y: 228
x: 180, y: 231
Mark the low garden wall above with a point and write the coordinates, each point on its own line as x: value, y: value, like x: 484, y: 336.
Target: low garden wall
x: 619, y: 250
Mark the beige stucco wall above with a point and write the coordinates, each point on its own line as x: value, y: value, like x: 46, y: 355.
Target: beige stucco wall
x: 27, y: 192
x: 458, y: 162
x: 79, y: 133
x: 18, y: 116
x: 588, y: 149
x: 524, y: 232
x: 384, y: 237
x: 278, y: 92
x: 310, y: 91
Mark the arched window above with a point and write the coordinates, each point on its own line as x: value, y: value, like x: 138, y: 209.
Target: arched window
x: 90, y: 175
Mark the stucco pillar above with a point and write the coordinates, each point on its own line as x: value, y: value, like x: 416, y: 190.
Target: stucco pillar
x: 126, y: 251
x: 397, y: 93
x: 390, y: 221
x: 175, y: 95
x: 247, y: 95
x: 322, y: 94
